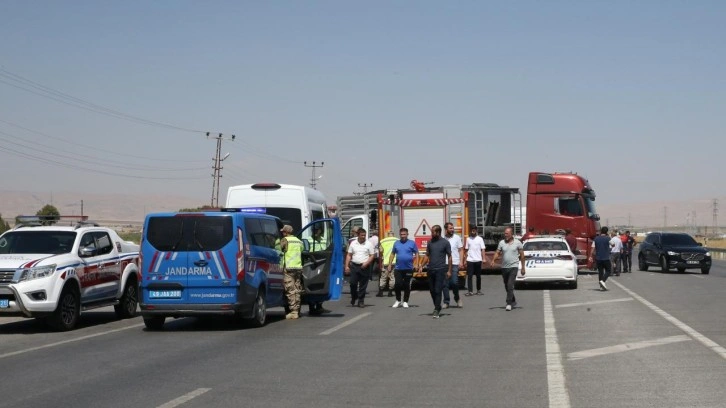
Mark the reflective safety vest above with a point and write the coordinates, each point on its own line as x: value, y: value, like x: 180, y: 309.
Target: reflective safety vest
x: 387, y: 246
x: 293, y: 254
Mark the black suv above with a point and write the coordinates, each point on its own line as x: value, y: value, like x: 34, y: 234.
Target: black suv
x: 673, y: 250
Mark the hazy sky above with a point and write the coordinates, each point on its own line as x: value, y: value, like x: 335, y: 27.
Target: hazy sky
x: 630, y: 94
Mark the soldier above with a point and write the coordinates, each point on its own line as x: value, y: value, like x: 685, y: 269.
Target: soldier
x: 291, y: 247
x: 387, y: 277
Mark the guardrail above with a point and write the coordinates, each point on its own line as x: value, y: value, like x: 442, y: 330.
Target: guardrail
x: 717, y: 253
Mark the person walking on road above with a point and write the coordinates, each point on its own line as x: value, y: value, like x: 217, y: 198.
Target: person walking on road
x: 457, y: 257
x: 475, y: 255
x: 404, y: 254
x: 387, y: 279
x: 628, y: 244
x: 291, y: 248
x: 438, y: 258
x: 601, y: 252
x: 357, y: 263
x: 616, y: 249
x: 512, y: 252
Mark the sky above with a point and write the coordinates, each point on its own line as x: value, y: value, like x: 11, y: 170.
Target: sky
x: 110, y: 97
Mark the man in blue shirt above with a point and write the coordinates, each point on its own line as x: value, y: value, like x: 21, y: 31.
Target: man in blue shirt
x: 601, y: 252
x: 406, y: 253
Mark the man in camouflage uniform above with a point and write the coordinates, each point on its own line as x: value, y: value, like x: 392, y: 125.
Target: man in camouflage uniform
x: 291, y: 248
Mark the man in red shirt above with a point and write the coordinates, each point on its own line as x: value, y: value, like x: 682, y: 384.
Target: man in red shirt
x: 571, y: 241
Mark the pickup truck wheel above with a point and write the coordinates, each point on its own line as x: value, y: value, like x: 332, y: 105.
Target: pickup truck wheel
x: 641, y: 263
x: 705, y: 271
x: 129, y: 301
x: 259, y: 310
x: 154, y: 323
x: 664, y: 264
x: 65, y: 317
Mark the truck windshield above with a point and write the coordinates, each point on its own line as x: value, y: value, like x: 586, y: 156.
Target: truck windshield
x: 590, y: 205
x: 37, y: 242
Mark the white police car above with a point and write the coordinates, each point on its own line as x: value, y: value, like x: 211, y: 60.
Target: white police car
x: 548, y: 259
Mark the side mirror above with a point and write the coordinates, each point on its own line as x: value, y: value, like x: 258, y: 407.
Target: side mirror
x: 699, y: 244
x: 86, y: 252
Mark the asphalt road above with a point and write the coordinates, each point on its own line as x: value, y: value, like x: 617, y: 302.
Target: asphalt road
x: 653, y: 340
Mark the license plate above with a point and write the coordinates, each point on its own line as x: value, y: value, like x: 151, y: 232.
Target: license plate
x: 693, y: 262
x: 164, y: 294
x: 4, y: 303
x: 544, y: 261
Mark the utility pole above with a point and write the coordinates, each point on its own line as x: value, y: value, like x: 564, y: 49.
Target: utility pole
x: 365, y: 186
x: 366, y: 208
x: 665, y: 216
x: 217, y: 167
x: 82, y: 210
x: 715, y: 216
x: 313, y: 179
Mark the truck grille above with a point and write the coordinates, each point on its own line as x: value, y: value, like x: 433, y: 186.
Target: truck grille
x: 692, y: 257
x: 6, y: 275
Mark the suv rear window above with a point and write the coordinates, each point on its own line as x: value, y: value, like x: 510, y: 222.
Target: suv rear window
x: 189, y: 233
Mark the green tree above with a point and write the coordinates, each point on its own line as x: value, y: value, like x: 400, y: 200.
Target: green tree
x: 199, y: 209
x: 4, y: 226
x: 49, y: 215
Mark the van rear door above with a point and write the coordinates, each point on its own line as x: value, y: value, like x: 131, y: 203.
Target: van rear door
x: 165, y: 262
x: 212, y: 272
x: 322, y: 260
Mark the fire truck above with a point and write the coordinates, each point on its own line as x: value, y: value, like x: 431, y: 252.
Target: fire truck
x: 489, y: 206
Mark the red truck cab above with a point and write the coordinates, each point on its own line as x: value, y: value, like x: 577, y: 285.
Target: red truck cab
x: 560, y: 201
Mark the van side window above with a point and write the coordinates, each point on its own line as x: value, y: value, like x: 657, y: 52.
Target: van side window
x: 317, y: 215
x: 255, y: 234
x: 269, y: 228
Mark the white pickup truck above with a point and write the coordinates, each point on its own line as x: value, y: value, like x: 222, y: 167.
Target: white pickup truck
x: 56, y: 272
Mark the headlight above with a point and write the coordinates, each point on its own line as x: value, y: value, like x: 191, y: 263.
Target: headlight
x: 708, y: 254
x: 671, y: 253
x: 34, y: 273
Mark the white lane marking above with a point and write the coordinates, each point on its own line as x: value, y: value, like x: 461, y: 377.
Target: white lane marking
x: 594, y: 302
x: 559, y: 398
x: 579, y: 355
x: 697, y: 276
x: 7, y: 320
x: 59, y: 343
x: 686, y: 328
x: 344, y: 324
x: 184, y: 398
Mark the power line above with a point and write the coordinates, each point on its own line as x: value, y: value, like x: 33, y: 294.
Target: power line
x: 313, y: 179
x: 23, y: 83
x: 218, y: 168
x: 114, y: 152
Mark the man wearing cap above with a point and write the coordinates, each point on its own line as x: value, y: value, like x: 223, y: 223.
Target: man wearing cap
x: 291, y: 248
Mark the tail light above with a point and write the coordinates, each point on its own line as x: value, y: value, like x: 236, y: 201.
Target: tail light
x: 565, y: 257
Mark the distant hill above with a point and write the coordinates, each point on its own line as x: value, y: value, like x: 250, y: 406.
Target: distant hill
x: 122, y: 208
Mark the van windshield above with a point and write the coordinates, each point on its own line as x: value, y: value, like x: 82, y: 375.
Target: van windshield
x: 290, y: 216
x: 189, y: 233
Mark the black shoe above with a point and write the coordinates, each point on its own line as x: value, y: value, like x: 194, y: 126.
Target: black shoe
x: 360, y: 304
x: 352, y: 302
x: 390, y: 293
x: 315, y: 312
x: 380, y: 293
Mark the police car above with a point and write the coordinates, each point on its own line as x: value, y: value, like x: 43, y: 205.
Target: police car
x: 548, y: 259
x: 56, y: 272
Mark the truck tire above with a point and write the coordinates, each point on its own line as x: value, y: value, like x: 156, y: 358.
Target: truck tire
x: 154, y: 323
x: 259, y: 309
x: 66, y: 314
x: 129, y: 301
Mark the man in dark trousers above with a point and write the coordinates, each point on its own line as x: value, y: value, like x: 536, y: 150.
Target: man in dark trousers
x: 438, y: 258
x: 601, y: 252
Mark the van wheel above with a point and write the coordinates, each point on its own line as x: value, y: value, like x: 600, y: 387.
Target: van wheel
x: 259, y: 310
x: 641, y: 264
x: 65, y: 317
x: 129, y: 301
x: 154, y: 323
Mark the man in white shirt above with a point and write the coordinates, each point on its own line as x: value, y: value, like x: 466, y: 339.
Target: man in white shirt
x: 457, y: 257
x: 357, y: 262
x: 616, y: 248
x: 475, y: 255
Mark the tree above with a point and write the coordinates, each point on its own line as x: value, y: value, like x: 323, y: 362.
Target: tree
x: 4, y: 226
x: 199, y: 209
x: 49, y: 215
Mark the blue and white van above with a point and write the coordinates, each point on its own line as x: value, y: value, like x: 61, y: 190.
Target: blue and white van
x: 227, y: 263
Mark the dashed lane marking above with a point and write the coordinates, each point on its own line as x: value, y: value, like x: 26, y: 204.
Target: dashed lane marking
x: 558, y: 395
x: 184, y: 398
x: 90, y: 336
x: 620, y: 348
x: 715, y: 347
x: 594, y: 302
x: 345, y: 324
